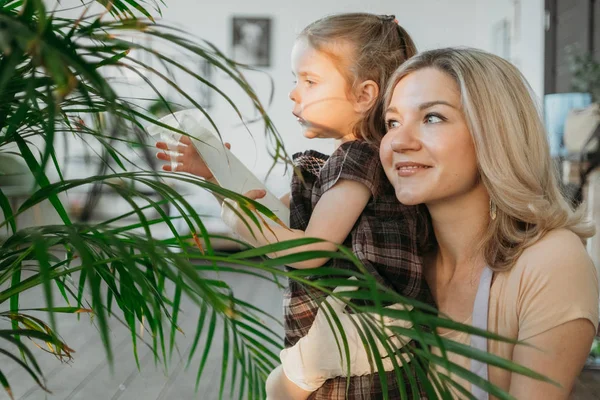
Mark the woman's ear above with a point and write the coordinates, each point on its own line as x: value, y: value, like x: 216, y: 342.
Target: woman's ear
x: 365, y: 96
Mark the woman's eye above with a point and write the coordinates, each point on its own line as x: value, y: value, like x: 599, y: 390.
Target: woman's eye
x: 433, y: 119
x: 391, y: 124
x: 309, y: 82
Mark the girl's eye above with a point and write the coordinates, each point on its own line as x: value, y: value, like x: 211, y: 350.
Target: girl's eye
x: 391, y: 124
x: 434, y: 119
x: 309, y: 82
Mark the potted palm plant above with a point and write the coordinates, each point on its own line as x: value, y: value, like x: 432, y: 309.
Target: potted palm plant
x: 53, y: 85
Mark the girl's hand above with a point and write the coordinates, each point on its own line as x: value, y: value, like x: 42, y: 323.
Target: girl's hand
x: 255, y: 194
x: 231, y: 211
x: 187, y: 160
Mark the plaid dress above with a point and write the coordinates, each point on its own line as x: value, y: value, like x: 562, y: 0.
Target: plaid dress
x: 385, y: 240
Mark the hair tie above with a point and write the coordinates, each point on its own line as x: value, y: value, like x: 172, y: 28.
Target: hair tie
x: 390, y: 18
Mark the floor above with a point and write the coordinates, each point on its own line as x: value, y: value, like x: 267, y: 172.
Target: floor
x: 89, y: 376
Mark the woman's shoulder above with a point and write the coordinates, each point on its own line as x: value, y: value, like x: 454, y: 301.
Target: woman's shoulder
x: 552, y: 282
x: 558, y: 248
x: 557, y: 263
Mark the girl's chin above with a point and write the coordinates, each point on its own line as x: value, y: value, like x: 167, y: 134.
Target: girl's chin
x: 310, y: 135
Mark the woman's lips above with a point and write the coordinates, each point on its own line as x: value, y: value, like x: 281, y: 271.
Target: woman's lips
x: 407, y: 168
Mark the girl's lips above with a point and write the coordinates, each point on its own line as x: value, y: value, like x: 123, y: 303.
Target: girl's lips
x: 407, y: 168
x: 300, y: 120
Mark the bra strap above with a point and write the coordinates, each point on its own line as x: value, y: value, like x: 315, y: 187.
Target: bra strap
x: 480, y: 320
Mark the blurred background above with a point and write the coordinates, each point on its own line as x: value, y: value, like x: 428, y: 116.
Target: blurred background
x: 555, y: 44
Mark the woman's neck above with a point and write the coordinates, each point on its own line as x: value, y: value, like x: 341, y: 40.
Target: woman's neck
x: 459, y: 224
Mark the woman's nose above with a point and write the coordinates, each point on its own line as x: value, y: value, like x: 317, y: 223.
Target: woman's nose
x: 404, y: 138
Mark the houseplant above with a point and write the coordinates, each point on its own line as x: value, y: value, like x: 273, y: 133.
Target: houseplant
x: 52, y: 84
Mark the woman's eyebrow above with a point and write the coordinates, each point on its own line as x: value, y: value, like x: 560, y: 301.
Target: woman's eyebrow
x: 423, y: 106
x: 429, y: 104
x: 391, y: 109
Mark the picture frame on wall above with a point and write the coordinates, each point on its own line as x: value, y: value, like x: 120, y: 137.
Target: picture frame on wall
x: 501, y: 39
x: 205, y: 93
x: 251, y: 41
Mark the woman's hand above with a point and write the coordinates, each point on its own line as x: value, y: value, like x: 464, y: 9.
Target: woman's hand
x: 317, y: 357
x: 187, y: 160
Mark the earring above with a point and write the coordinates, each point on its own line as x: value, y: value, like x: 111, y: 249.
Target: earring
x: 493, y: 210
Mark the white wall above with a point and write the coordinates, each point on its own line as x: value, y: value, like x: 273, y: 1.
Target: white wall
x: 526, y: 20
x: 432, y: 23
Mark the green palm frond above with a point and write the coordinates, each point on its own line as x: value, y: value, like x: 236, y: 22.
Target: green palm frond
x: 53, y: 83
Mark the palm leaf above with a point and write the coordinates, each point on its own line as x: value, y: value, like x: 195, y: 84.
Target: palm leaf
x: 52, y: 83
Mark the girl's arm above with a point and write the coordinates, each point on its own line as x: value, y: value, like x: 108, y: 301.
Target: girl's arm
x: 332, y: 220
x: 285, y: 199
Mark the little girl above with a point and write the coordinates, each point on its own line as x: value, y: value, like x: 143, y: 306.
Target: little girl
x: 341, y: 64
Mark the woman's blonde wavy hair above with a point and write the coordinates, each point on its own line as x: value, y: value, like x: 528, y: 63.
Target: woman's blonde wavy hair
x: 511, y: 147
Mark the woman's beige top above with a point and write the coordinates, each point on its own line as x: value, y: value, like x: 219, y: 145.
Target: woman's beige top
x: 535, y: 296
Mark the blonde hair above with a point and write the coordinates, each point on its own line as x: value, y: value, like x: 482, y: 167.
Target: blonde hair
x: 511, y: 147
x: 378, y: 45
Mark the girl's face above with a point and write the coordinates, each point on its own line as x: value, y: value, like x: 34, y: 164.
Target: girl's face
x: 428, y: 153
x: 320, y: 96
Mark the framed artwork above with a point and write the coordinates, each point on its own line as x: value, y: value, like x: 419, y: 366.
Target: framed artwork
x: 205, y: 93
x: 251, y: 41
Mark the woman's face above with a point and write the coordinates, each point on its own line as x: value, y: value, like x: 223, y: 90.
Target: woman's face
x: 428, y: 153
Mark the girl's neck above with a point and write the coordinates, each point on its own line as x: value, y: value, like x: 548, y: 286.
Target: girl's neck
x: 459, y: 224
x: 344, y: 139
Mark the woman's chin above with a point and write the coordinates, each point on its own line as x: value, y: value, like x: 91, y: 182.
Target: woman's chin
x: 408, y: 198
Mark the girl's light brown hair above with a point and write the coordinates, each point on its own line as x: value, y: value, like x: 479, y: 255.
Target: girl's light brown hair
x: 366, y: 47
x: 512, y: 150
